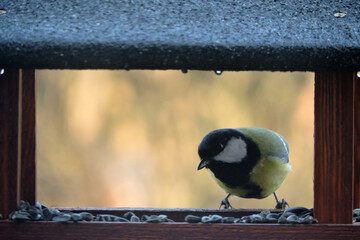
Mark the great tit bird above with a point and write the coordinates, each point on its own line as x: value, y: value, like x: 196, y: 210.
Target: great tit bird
x: 246, y: 162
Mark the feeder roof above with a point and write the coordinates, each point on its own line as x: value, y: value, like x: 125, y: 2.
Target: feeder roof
x: 276, y: 35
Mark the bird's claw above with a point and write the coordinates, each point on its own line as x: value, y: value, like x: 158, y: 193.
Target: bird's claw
x: 282, y: 204
x: 225, y: 202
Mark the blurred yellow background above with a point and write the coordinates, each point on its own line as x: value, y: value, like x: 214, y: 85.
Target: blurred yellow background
x: 130, y: 138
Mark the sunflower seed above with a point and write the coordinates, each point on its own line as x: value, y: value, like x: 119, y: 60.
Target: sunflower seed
x: 228, y: 220
x: 162, y: 218
x: 293, y: 219
x: 36, y: 217
x: 356, y: 212
x: 20, y: 216
x: 24, y: 205
x: 216, y: 219
x: 270, y: 219
x: 105, y: 217
x: 206, y: 219
x: 128, y: 215
x: 62, y: 218
x: 309, y: 220
x: 38, y: 205
x: 76, y: 217
x: 87, y: 216
x: 282, y: 219
x: 120, y: 219
x: 273, y: 215
x: 192, y: 219
x: 47, y: 214
x: 144, y: 218
x: 256, y: 218
x: 237, y: 220
x: 287, y: 214
x: 134, y: 218
x: 153, y: 219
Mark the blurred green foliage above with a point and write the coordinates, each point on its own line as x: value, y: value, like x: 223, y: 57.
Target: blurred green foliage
x: 130, y: 138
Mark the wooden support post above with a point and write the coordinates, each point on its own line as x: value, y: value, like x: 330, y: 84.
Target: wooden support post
x: 28, y: 141
x: 333, y: 169
x: 9, y: 114
x: 356, y: 141
x: 17, y: 138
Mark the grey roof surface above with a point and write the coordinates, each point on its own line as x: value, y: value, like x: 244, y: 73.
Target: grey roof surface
x: 285, y: 35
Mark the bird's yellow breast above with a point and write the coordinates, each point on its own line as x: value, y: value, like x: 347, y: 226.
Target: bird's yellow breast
x: 268, y: 174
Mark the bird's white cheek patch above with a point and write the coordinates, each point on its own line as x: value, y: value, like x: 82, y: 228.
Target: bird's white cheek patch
x: 234, y: 151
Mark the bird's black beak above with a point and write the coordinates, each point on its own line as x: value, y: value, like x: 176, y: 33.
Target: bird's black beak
x: 203, y: 163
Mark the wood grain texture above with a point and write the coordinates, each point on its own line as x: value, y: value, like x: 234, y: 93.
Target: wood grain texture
x: 92, y: 230
x: 356, y: 141
x: 333, y: 167
x: 9, y: 102
x: 28, y: 139
x: 176, y: 214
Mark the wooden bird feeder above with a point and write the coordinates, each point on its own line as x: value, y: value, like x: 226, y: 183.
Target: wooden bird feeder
x: 293, y: 35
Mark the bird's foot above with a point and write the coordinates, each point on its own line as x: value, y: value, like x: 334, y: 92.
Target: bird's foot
x: 225, y: 202
x: 282, y: 204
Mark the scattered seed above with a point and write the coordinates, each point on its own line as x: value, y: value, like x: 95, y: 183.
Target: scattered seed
x: 228, y: 220
x: 144, y: 218
x: 120, y: 219
x: 216, y: 219
x: 62, y: 218
x: 86, y: 216
x: 33, y: 210
x: 20, y: 216
x: 273, y: 215
x: 128, y: 215
x: 38, y: 205
x: 162, y: 218
x: 153, y: 219
x: 237, y: 220
x: 47, y: 214
x: 246, y: 219
x: 206, y: 219
x: 55, y: 212
x: 309, y: 220
x: 24, y: 205
x: 293, y: 219
x: 356, y: 212
x: 76, y: 217
x: 134, y: 218
x: 297, y: 210
x: 39, y: 212
x: 282, y: 219
x: 287, y: 214
x: 36, y: 217
x: 105, y: 217
x: 192, y: 219
x: 270, y: 220
x: 264, y: 213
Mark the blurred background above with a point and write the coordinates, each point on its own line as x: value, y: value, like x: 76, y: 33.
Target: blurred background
x: 130, y: 138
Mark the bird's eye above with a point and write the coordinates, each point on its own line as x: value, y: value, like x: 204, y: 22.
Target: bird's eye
x: 221, y: 146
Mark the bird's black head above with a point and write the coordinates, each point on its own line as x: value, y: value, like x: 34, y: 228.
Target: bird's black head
x: 215, y: 142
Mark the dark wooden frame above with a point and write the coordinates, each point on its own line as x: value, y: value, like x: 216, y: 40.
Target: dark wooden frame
x: 336, y: 170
